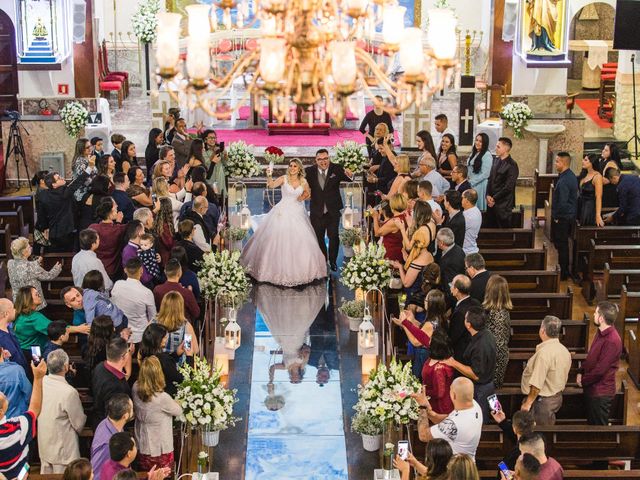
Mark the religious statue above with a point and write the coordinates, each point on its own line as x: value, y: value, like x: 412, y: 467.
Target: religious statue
x: 40, y: 31
x: 543, y: 23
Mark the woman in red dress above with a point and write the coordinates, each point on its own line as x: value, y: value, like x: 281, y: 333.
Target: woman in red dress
x: 389, y: 230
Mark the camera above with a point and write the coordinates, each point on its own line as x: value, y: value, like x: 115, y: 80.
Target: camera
x: 12, y: 114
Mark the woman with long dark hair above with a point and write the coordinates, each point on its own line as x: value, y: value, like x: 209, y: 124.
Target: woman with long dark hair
x: 152, y: 150
x: 425, y: 143
x: 447, y: 156
x: 107, y: 167
x: 128, y: 157
x: 437, y: 455
x: 479, y: 164
x: 164, y: 229
x: 138, y: 192
x: 214, y: 157
x: 101, y: 333
x: 98, y: 191
x: 154, y: 340
x: 82, y: 158
x: 610, y: 158
x: 591, y: 192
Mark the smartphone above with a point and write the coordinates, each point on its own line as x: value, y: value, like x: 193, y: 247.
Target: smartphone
x: 403, y: 449
x: 24, y: 472
x: 221, y: 144
x: 187, y: 341
x: 36, y: 355
x: 494, y: 403
x: 504, y: 469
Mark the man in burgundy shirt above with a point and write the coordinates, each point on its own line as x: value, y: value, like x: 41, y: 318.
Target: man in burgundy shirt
x: 173, y: 271
x: 533, y: 444
x: 111, y: 235
x: 122, y: 453
x: 598, y: 373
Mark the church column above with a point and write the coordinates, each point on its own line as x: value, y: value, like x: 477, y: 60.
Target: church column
x: 501, y: 52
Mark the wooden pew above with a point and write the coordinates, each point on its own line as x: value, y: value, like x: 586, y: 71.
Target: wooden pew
x: 617, y: 256
x: 51, y: 288
x: 50, y: 259
x: 525, y: 337
x: 517, y: 218
x: 518, y: 362
x: 541, y: 188
x: 57, y: 310
x: 5, y: 241
x: 542, y: 281
x: 27, y: 203
x: 537, y: 305
x: 632, y: 345
x: 516, y: 258
x: 506, y: 238
x: 614, y: 279
x: 15, y: 218
x: 628, y: 313
x: 603, y: 235
x: 573, y: 410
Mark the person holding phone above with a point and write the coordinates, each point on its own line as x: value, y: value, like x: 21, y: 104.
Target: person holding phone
x: 83, y: 158
x: 436, y: 458
x: 522, y: 423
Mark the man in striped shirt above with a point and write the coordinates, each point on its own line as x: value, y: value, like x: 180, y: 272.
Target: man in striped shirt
x: 17, y: 432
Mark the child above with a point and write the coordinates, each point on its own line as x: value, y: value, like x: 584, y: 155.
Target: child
x: 58, y: 336
x: 425, y: 190
x: 116, y: 141
x: 147, y: 255
x: 98, y: 147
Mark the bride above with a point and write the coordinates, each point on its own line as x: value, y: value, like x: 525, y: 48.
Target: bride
x: 286, y: 234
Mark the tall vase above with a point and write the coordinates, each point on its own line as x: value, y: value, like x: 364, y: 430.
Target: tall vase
x: 391, y: 434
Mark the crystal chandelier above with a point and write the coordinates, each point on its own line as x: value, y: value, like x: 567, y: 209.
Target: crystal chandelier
x: 309, y: 52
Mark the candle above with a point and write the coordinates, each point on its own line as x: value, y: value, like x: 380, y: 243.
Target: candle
x: 368, y: 363
x: 221, y: 361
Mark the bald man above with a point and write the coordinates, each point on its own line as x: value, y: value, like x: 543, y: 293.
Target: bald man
x: 462, y: 427
x: 8, y: 340
x: 202, y: 236
x: 17, y: 432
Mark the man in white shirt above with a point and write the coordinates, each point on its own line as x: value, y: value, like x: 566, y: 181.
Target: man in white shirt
x: 425, y: 193
x: 462, y: 427
x: 86, y: 259
x: 201, y: 234
x: 134, y: 299
x: 439, y: 184
x: 62, y: 417
x: 472, y: 221
x: 441, y: 125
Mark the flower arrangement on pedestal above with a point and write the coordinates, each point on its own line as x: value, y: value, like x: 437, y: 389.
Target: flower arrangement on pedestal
x: 348, y: 238
x: 145, y: 20
x: 274, y: 154
x: 349, y: 155
x: 206, y: 403
x: 74, y: 117
x: 516, y: 115
x: 222, y: 272
x: 368, y: 269
x: 387, y: 394
x: 241, y: 162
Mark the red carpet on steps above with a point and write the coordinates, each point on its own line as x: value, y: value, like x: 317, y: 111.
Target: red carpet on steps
x: 260, y: 138
x: 590, y: 108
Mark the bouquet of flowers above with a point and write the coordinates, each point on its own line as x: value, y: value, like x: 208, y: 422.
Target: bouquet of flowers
x: 387, y: 395
x: 145, y: 20
x: 349, y: 155
x: 352, y: 308
x: 366, y: 424
x: 74, y: 117
x: 235, y: 233
x: 222, y: 272
x: 274, y: 154
x: 368, y: 269
x: 516, y: 115
x: 350, y: 236
x: 204, y: 400
x: 241, y: 162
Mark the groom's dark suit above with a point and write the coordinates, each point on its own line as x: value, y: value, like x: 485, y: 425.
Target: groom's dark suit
x: 325, y: 206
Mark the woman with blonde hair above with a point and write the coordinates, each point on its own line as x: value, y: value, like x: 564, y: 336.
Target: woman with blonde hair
x: 155, y: 410
x: 284, y: 230
x: 389, y: 230
x: 24, y: 272
x: 497, y: 303
x: 402, y: 167
x: 462, y: 467
x: 161, y: 189
x: 171, y: 316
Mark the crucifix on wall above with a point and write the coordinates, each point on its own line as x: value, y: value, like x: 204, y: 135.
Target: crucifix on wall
x: 467, y: 107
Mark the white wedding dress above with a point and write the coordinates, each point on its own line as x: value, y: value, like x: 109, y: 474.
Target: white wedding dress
x: 283, y: 249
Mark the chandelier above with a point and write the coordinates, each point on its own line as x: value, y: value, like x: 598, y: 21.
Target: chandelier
x: 309, y: 52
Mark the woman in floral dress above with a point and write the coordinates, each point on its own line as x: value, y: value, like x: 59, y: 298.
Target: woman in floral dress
x: 497, y: 303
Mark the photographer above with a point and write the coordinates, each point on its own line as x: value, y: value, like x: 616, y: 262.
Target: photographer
x: 382, y: 173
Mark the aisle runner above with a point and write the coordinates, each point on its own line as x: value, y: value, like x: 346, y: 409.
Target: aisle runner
x: 295, y: 417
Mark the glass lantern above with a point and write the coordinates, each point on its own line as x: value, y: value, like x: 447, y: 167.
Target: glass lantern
x: 43, y: 33
x: 245, y: 217
x: 367, y: 332
x: 232, y: 332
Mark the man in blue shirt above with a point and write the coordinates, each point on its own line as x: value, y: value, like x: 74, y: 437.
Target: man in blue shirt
x: 119, y: 195
x: 628, y: 212
x: 564, y: 208
x: 8, y: 340
x: 15, y: 386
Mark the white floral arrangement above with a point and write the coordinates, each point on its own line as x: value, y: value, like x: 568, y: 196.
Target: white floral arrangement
x: 241, y: 162
x: 145, y: 20
x: 74, y: 117
x: 349, y: 155
x: 387, y: 394
x: 516, y: 115
x: 222, y: 272
x: 205, y: 402
x: 368, y: 269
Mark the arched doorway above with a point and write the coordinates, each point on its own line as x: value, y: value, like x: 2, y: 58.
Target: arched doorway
x: 8, y: 65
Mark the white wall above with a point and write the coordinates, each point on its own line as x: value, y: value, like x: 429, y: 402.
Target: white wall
x: 116, y: 27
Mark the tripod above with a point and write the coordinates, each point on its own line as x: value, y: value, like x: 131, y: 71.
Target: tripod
x: 15, y: 147
x: 635, y: 137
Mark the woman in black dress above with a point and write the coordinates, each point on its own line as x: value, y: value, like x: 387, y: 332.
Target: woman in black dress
x: 591, y: 189
x: 152, y: 152
x: 447, y: 157
x: 610, y: 159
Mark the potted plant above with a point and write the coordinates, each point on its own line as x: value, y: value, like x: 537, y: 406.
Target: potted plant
x: 354, y: 311
x: 370, y: 428
x: 236, y: 236
x: 206, y: 404
x: 350, y: 237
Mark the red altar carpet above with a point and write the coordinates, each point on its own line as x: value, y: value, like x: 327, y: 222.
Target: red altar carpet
x: 590, y: 108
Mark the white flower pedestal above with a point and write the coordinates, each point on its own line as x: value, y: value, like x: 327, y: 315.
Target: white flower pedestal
x: 371, y: 443
x: 210, y: 438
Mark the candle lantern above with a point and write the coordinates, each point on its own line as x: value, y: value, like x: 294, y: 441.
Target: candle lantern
x: 367, y: 332
x: 232, y: 332
x: 245, y: 217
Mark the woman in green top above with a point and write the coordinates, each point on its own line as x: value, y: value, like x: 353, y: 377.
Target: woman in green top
x: 31, y: 325
x: 214, y: 157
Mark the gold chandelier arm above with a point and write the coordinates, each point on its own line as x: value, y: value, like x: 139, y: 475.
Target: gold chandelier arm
x: 388, y: 84
x: 240, y: 64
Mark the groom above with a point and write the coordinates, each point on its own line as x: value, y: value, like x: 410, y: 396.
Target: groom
x: 326, y: 202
